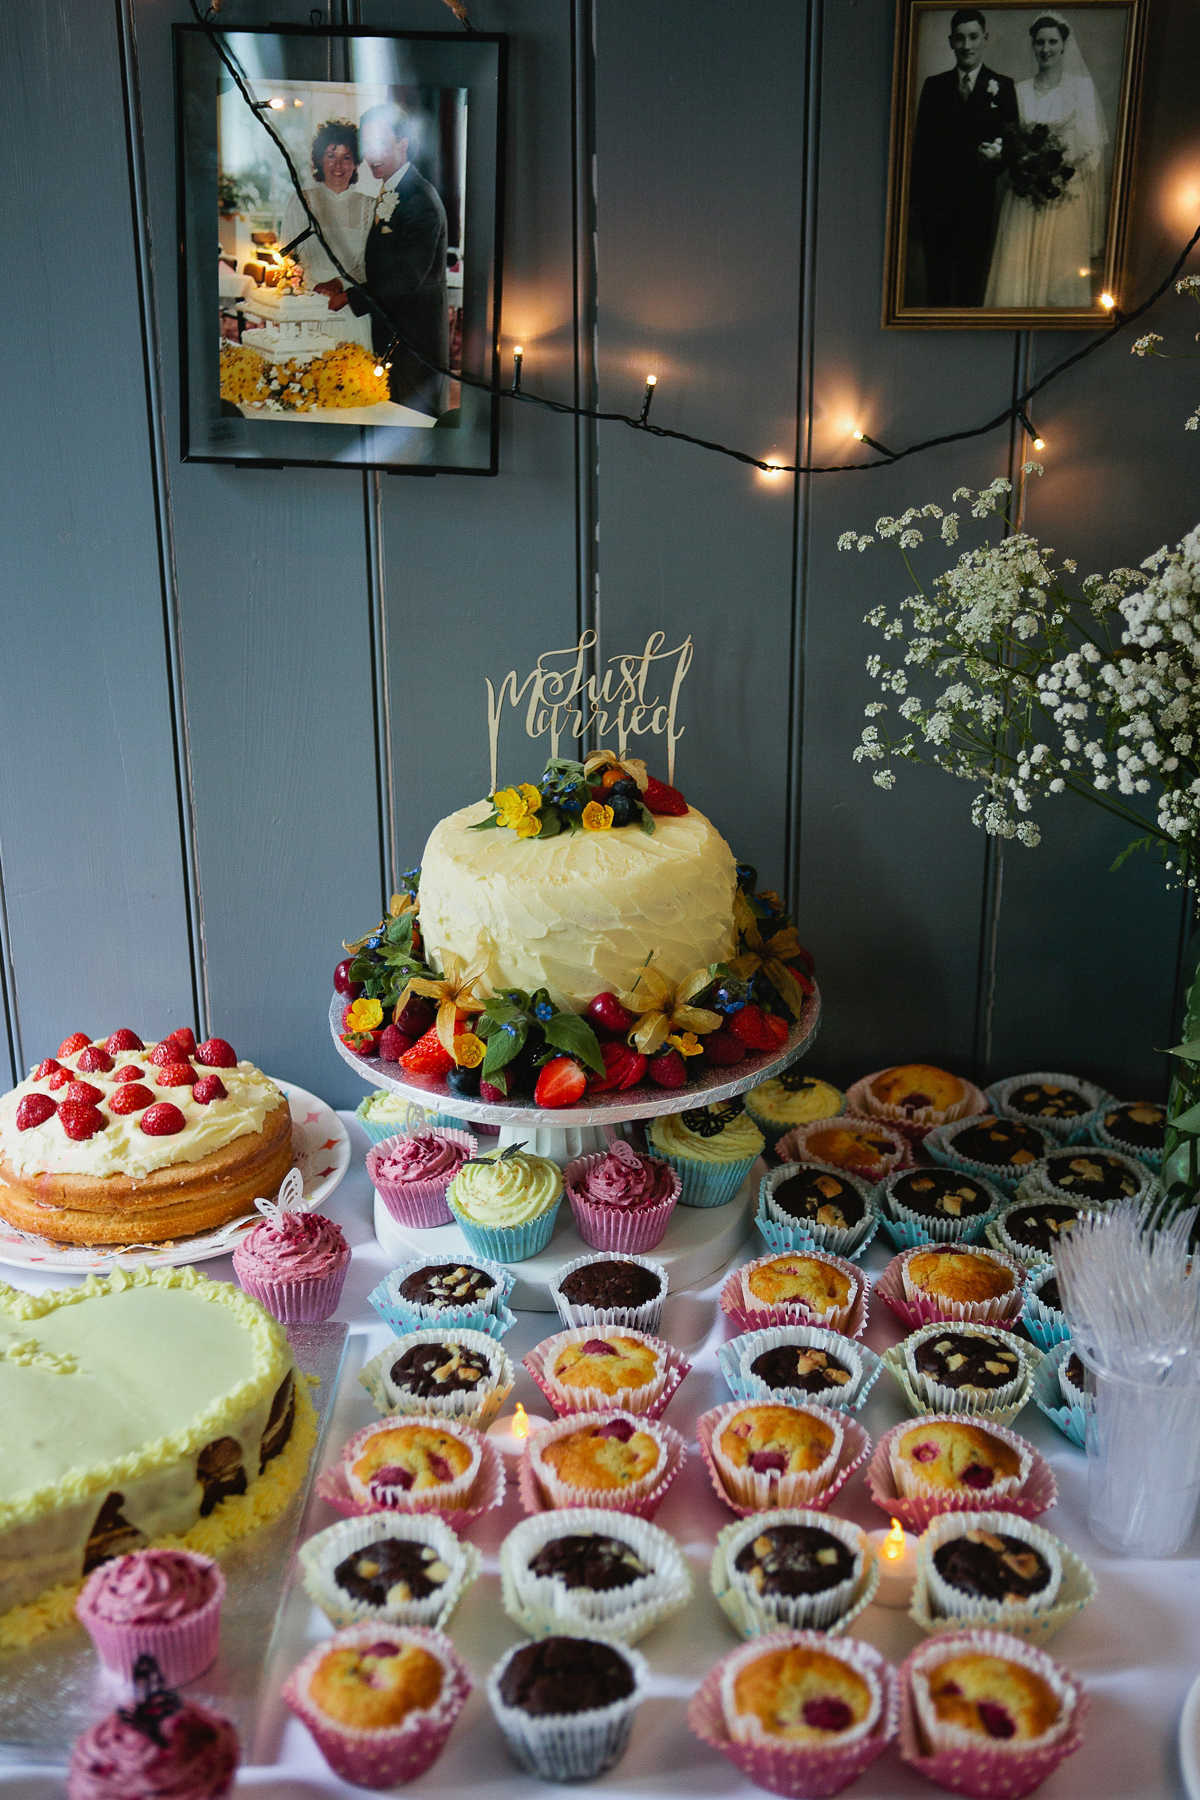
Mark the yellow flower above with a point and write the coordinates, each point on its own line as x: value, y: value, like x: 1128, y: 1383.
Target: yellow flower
x: 469, y: 1051
x: 454, y: 992
x: 665, y: 1009
x: 516, y: 807
x: 687, y: 1043
x: 597, y: 817
x: 364, y: 1015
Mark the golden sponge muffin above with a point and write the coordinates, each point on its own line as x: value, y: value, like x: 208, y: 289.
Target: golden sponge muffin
x: 798, y: 1279
x: 781, y: 1439
x: 797, y: 1694
x: 967, y: 1277
x: 858, y: 1148
x: 413, y: 1457
x: 953, y: 1457
x: 608, y: 1361
x: 992, y: 1697
x: 913, y: 1086
x: 606, y: 1456
x: 370, y: 1688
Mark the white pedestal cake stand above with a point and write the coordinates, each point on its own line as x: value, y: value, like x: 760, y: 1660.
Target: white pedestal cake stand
x: 698, y: 1239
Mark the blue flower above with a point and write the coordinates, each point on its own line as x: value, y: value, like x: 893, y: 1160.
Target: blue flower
x: 374, y: 943
x: 544, y: 1011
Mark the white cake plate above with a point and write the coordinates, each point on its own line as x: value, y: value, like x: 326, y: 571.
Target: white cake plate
x: 699, y: 1240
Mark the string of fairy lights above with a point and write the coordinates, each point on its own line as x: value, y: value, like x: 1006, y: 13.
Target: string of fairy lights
x: 1019, y: 409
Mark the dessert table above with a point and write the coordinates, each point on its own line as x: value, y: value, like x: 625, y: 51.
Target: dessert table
x: 1136, y: 1648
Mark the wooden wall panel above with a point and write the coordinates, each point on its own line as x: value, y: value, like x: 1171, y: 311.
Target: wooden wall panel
x: 94, y: 892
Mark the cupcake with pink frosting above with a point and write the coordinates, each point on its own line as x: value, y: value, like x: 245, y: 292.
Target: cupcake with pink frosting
x: 160, y: 1603
x: 161, y: 1746
x: 293, y: 1262
x: 411, y: 1173
x: 621, y: 1200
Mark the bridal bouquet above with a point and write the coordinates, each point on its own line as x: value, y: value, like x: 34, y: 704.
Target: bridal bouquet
x: 1035, y: 159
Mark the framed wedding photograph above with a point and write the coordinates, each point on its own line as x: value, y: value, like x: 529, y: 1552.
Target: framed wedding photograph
x: 1011, y: 162
x: 340, y: 197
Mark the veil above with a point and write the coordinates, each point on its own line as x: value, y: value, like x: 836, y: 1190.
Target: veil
x: 1089, y: 124
x: 1073, y: 60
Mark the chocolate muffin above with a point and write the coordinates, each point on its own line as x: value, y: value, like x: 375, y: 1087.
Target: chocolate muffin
x: 1048, y: 1100
x: 1093, y: 1175
x: 612, y: 1284
x: 991, y: 1565
x: 560, y: 1675
x: 1049, y: 1295
x: 391, y: 1571
x: 800, y: 1366
x: 590, y: 1560
x: 967, y: 1359
x: 824, y: 1199
x: 795, y: 1559
x: 1139, y: 1123
x: 941, y: 1194
x: 1040, y: 1225
x: 1001, y: 1143
x: 1075, y: 1372
x: 440, y: 1285
x: 444, y: 1368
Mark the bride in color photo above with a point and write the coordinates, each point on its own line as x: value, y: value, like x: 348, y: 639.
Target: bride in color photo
x: 1043, y: 255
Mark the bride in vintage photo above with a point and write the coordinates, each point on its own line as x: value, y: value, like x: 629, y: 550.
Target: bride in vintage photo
x: 1044, y: 251
x: 338, y: 202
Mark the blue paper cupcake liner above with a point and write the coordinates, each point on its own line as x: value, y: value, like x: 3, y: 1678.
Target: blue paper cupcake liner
x: 799, y: 1237
x: 907, y: 1234
x: 1071, y: 1420
x: 1062, y: 1131
x: 708, y: 1184
x: 377, y: 1129
x: 940, y: 1145
x: 404, y: 1315
x: 1045, y: 1325
x: 508, y: 1243
x: 751, y: 1389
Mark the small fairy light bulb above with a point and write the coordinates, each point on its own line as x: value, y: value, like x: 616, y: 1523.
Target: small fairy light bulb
x: 858, y: 436
x: 276, y: 104
x: 651, y: 384
x: 518, y: 359
x: 1108, y: 301
x: 1039, y: 443
x: 379, y: 369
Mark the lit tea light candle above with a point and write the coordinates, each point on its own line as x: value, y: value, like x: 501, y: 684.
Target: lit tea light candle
x: 512, y: 1431
x: 896, y: 1555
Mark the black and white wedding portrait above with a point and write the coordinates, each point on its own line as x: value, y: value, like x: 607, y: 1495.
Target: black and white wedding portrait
x: 1010, y: 162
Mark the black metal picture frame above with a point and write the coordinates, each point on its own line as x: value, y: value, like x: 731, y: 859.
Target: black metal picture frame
x: 356, y: 325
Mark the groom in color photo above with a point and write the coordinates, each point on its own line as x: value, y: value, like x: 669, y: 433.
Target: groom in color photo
x: 961, y: 116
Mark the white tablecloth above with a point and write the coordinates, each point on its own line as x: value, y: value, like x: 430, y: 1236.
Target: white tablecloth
x: 1137, y: 1647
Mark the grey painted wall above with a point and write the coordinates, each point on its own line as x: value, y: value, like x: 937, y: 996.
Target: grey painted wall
x: 232, y: 703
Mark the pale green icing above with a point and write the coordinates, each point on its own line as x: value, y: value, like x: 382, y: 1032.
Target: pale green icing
x: 739, y: 1139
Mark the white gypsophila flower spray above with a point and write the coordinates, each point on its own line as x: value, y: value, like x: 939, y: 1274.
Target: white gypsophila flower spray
x: 1148, y: 345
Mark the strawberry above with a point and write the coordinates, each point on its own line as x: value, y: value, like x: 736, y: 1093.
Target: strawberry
x: 606, y: 1013
x: 78, y: 1040
x: 723, y: 1049
x: 208, y: 1089
x: 85, y: 1093
x: 130, y: 1097
x: 663, y: 800
x: 93, y: 1061
x: 45, y: 1069
x: 81, y: 1120
x: 163, y: 1054
x: 427, y: 1056
x: 491, y: 1093
x: 180, y: 1074
x: 123, y: 1040
x: 623, y: 1068
x: 393, y: 1044
x: 667, y: 1069
x: 560, y: 1083
x: 129, y: 1072
x: 756, y: 1028
x: 35, y: 1109
x: 185, y: 1037
x: 414, y: 1018
x: 162, y: 1120
x: 216, y: 1053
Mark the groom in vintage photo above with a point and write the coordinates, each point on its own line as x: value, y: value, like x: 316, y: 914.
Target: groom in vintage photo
x: 961, y: 116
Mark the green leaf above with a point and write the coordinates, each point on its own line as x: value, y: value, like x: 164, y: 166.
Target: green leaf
x: 1142, y: 843
x: 1188, y: 1124
x: 501, y: 1011
x: 576, y: 823
x: 486, y: 824
x: 502, y: 1046
x: 1187, y: 1052
x: 647, y: 820
x: 569, y: 1033
x: 551, y: 822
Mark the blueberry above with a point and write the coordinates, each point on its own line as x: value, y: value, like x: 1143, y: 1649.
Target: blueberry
x: 624, y: 810
x: 463, y: 1081
x: 626, y: 785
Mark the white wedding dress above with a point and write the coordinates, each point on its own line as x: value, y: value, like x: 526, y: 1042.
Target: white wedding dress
x: 1043, y: 255
x: 346, y: 220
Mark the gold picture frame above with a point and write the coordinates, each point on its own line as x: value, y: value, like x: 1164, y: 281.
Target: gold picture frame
x: 1020, y: 250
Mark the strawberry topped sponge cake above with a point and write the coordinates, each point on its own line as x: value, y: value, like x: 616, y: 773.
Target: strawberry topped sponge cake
x: 116, y: 1141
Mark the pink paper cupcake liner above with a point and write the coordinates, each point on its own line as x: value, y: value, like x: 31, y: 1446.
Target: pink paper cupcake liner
x: 984, y: 1772
x: 889, y: 1285
x: 763, y: 1318
x: 303, y: 1302
x: 793, y: 1145
x: 798, y: 1771
x: 183, y: 1648
x: 915, y: 1511
x: 860, y: 1099
x: 418, y: 1204
x: 535, y: 1501
x: 675, y: 1363
x: 856, y: 1447
x: 395, y: 1754
x: 486, y: 1492
x: 633, y: 1229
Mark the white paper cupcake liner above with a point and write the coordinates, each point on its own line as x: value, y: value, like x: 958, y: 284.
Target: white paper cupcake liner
x: 737, y: 1354
x: 1073, y: 1396
x: 568, y: 1746
x: 1101, y: 1135
x: 753, y: 1613
x: 908, y: 1229
x: 793, y: 1145
x: 544, y: 1606
x: 1000, y: 1238
x: 943, y: 1736
x: 1046, y: 1325
x: 1000, y: 1309
x: 835, y: 1319
x: 1065, y: 1131
x: 563, y: 1493
x: 322, y: 1554
x: 476, y: 1406
x: 925, y: 1395
x: 912, y: 1486
x: 969, y: 1609
x: 492, y: 1315
x: 789, y: 1230
x: 1049, y: 1395
x: 1005, y: 1176
x: 566, y: 1399
x: 914, y: 1123
x: 446, y: 1496
x: 646, y: 1317
x: 748, y: 1729
x: 1039, y: 1183
x: 762, y: 1489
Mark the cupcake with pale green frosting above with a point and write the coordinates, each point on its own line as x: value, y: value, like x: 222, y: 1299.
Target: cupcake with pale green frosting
x: 383, y: 1114
x: 506, y: 1202
x: 791, y: 1099
x: 711, y: 1148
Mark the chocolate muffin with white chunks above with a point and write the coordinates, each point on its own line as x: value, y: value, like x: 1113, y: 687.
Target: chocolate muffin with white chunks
x: 1000, y: 1144
x: 984, y: 1361
x: 1087, y: 1173
x: 792, y: 1560
x: 995, y: 1566
x: 1032, y: 1229
x: 589, y: 1572
x: 806, y: 1367
x: 817, y: 1196
x: 941, y: 1194
x: 398, y: 1569
x: 1048, y: 1100
x: 430, y: 1371
x: 795, y: 1568
x: 391, y: 1572
x: 438, y: 1286
x: 1138, y: 1126
x: 978, y: 1567
x: 566, y: 1704
x: 589, y: 1560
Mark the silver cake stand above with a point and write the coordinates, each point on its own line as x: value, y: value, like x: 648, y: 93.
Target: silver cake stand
x: 698, y: 1239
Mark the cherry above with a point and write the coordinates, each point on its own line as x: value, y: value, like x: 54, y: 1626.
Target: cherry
x: 606, y: 1013
x: 342, y: 983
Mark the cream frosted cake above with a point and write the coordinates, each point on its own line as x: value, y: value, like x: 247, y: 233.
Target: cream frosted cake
x: 149, y: 1406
